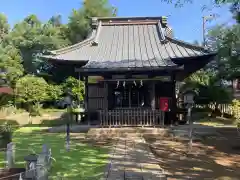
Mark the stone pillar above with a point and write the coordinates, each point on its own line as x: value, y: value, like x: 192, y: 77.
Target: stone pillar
x: 10, y: 155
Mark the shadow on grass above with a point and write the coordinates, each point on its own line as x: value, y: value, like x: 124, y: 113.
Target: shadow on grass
x: 11, y: 122
x: 62, y: 120
x: 204, y: 162
x: 216, y: 121
x: 223, y: 139
x: 83, y: 160
x: 227, y: 142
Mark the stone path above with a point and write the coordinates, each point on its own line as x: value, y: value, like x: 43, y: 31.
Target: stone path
x: 132, y: 159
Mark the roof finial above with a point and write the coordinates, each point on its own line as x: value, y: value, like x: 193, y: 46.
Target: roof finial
x: 114, y: 13
x: 94, y: 22
x: 164, y: 21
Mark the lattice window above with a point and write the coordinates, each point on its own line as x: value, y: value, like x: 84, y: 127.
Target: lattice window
x: 129, y: 95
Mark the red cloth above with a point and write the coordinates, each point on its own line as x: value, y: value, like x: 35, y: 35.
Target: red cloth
x: 6, y: 90
x: 164, y: 103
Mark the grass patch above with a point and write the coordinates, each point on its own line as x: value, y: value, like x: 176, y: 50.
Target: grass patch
x: 49, y: 110
x: 218, y: 121
x: 83, y: 160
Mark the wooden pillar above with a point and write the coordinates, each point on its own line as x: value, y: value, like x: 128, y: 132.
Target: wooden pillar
x: 105, y: 100
x: 174, y: 100
x: 105, y: 95
x: 153, y: 102
x: 86, y: 99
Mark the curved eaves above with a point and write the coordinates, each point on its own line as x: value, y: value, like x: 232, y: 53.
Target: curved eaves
x: 76, y: 46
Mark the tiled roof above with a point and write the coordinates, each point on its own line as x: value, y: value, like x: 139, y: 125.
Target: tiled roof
x: 127, y: 43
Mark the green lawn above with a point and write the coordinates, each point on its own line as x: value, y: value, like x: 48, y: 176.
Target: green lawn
x: 83, y: 161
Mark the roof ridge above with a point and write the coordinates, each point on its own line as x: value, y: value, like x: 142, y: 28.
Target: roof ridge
x: 75, y: 46
x: 95, y: 41
x: 129, y: 20
x: 168, y: 31
x: 129, y: 17
x: 196, y: 47
x: 161, y: 32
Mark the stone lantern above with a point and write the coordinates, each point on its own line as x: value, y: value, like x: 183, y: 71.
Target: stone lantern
x: 68, y: 100
x: 188, y: 97
x: 31, y: 163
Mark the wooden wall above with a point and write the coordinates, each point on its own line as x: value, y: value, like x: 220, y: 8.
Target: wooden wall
x: 96, y: 94
x: 96, y: 97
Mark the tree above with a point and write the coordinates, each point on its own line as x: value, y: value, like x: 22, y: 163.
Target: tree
x: 31, y: 90
x: 226, y: 41
x: 10, y: 62
x: 79, y: 25
x: 55, y: 20
x: 4, y: 26
x: 234, y: 5
x: 32, y: 20
x: 76, y: 86
x: 54, y: 92
x: 236, y: 110
x: 32, y: 37
x: 205, y: 84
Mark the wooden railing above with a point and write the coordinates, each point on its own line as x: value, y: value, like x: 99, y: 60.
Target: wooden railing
x: 224, y: 108
x: 131, y: 117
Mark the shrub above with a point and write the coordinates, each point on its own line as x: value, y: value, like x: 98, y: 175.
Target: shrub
x: 6, y: 131
x: 35, y: 110
x: 76, y: 86
x: 54, y: 92
x: 31, y: 90
x: 236, y: 111
x: 8, y: 110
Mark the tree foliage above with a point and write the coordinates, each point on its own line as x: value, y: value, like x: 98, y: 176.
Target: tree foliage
x: 10, y: 62
x: 79, y: 25
x: 4, y: 26
x: 32, y: 37
x: 207, y: 87
x: 209, y: 82
x: 234, y: 5
x: 21, y: 45
x: 76, y: 86
x: 236, y: 111
x: 31, y: 90
x: 226, y: 40
x: 54, y: 92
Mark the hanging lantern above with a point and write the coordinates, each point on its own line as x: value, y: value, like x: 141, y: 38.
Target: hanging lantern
x: 124, y: 84
x: 135, y: 83
x: 117, y: 84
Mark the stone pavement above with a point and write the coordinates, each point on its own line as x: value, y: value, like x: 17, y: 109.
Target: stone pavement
x: 131, y: 158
